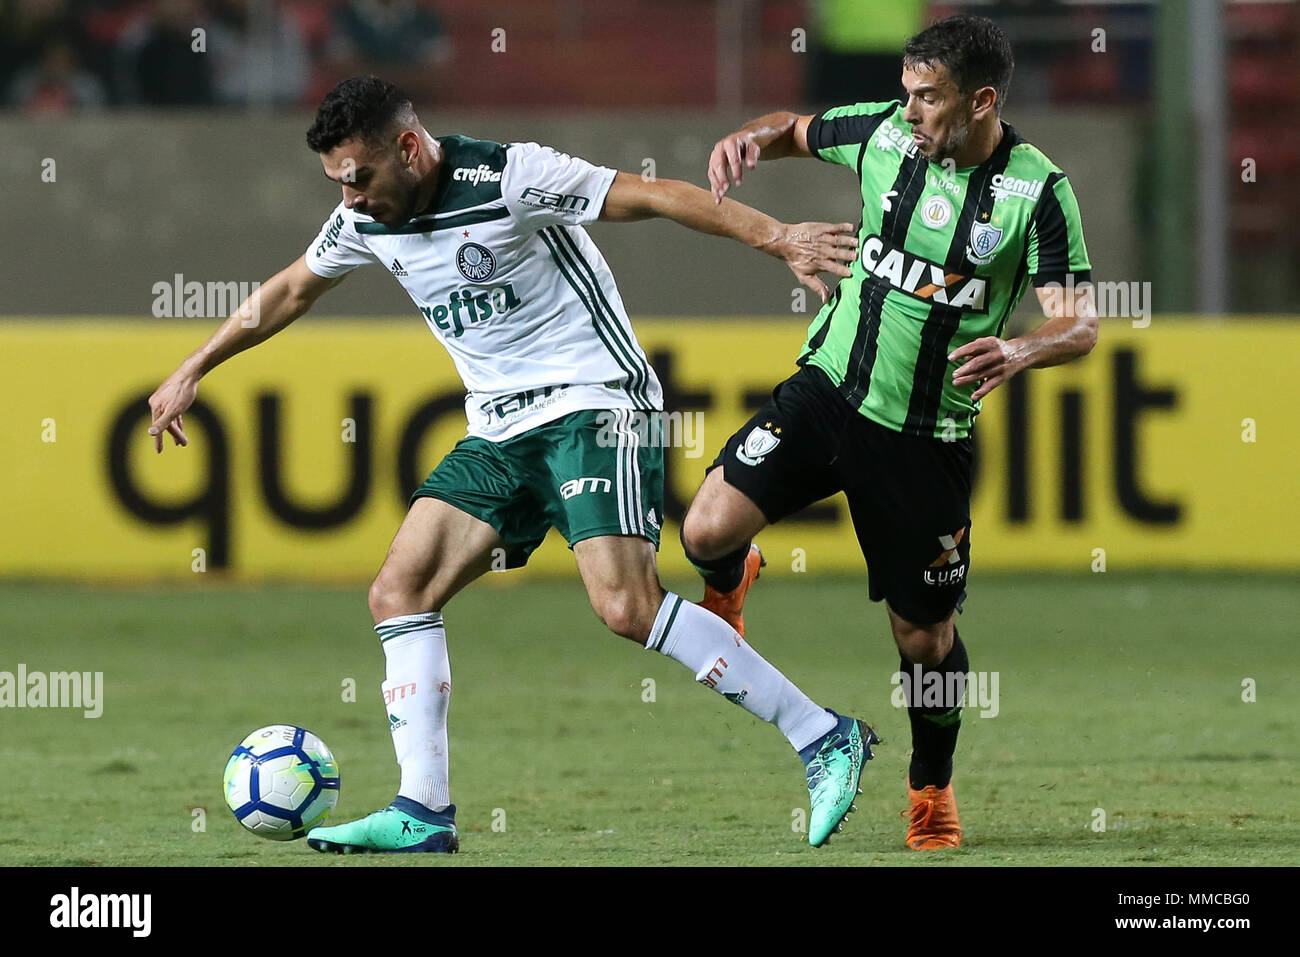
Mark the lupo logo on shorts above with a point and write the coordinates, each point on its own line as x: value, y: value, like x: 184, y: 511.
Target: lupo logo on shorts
x: 948, y: 568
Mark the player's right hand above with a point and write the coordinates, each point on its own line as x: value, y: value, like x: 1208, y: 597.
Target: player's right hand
x: 810, y: 248
x: 731, y: 155
x: 167, y: 404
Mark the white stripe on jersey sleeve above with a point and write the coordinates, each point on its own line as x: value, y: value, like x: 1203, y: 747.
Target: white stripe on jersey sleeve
x: 543, y: 187
x: 337, y: 248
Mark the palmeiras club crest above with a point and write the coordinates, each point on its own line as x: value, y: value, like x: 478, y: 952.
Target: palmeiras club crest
x: 476, y: 263
x: 984, y: 238
x: 761, y: 440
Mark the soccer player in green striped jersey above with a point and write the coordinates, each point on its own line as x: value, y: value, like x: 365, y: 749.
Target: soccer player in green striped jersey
x: 959, y: 216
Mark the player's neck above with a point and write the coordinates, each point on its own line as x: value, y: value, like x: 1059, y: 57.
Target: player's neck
x: 433, y: 157
x: 983, y: 141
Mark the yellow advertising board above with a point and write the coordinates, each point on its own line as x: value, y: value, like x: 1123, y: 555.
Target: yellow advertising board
x: 1168, y: 447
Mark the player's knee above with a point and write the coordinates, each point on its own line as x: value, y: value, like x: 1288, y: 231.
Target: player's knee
x: 389, y: 597
x: 923, y: 644
x: 625, y: 615
x: 707, y: 536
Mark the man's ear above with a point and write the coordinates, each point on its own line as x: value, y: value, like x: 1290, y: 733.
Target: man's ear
x: 986, y: 99
x: 407, y: 143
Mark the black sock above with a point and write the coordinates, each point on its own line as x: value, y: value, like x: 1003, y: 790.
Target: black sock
x: 723, y: 573
x: 934, y: 728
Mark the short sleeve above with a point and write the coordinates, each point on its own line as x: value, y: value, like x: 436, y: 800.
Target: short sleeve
x: 836, y: 135
x: 1056, y: 248
x: 337, y: 249
x: 543, y: 187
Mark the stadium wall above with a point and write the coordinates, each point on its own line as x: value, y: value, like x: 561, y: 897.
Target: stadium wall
x: 114, y: 204
x: 1168, y: 447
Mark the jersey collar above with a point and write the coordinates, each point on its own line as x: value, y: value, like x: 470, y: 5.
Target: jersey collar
x: 444, y: 178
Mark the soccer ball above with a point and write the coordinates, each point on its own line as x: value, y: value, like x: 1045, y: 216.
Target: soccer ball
x: 281, y: 782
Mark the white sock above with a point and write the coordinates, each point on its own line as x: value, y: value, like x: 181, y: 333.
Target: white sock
x: 417, y: 691
x: 722, y: 660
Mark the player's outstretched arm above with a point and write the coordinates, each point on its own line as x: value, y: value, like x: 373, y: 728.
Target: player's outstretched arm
x: 773, y: 136
x: 807, y: 248
x: 1069, y: 333
x: 276, y: 303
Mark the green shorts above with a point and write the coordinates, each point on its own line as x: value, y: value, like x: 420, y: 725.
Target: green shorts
x: 588, y: 473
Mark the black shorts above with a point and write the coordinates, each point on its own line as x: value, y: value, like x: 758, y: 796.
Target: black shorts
x: 909, y: 496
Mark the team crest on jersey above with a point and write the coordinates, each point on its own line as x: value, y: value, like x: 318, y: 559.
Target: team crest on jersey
x: 476, y: 263
x: 761, y: 440
x: 984, y: 239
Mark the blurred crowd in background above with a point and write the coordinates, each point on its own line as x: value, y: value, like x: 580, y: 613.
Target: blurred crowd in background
x: 58, y: 55
x: 61, y: 55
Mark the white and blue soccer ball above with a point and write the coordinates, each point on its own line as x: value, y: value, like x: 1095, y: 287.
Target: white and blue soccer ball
x: 281, y: 782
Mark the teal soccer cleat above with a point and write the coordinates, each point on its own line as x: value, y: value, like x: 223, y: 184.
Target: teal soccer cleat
x: 834, y: 768
x: 404, y: 827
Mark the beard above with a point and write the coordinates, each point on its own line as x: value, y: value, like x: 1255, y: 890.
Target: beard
x: 954, y: 142
x: 399, y: 211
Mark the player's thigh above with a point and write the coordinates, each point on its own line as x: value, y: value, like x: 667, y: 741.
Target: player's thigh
x: 622, y: 582
x: 469, y: 511
x: 909, y: 498
x: 781, y: 460
x: 437, y: 551
x: 601, y: 475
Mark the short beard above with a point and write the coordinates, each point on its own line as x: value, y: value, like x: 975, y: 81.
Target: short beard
x: 408, y: 210
x: 954, y: 143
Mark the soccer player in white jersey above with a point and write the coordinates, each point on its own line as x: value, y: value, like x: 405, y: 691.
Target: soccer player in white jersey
x: 487, y: 239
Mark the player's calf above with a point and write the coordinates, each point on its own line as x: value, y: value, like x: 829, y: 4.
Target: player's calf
x: 724, y: 593
x: 716, y: 537
x: 932, y: 658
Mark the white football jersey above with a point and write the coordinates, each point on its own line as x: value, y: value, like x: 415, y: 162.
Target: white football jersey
x: 510, y: 283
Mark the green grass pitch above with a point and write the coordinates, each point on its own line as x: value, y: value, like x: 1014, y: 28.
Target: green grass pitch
x: 1122, y: 694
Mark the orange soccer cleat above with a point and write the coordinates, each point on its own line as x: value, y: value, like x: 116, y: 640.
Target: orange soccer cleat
x: 934, y: 823
x: 730, y: 605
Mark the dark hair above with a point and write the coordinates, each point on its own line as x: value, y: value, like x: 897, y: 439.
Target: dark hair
x: 974, y: 49
x: 360, y: 106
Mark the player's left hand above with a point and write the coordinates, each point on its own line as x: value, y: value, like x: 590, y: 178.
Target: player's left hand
x: 990, y: 361
x: 810, y: 248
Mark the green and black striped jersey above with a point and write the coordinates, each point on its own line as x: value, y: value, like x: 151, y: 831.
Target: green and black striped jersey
x: 946, y: 253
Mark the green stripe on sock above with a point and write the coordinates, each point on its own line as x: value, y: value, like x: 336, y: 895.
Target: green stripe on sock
x: 948, y: 718
x: 668, y: 626
x: 396, y: 631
